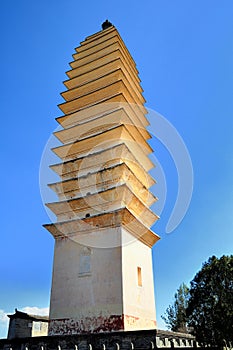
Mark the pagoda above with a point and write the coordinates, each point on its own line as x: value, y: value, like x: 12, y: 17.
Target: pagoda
x: 102, y: 272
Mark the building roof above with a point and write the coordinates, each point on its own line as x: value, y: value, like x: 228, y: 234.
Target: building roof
x: 24, y: 315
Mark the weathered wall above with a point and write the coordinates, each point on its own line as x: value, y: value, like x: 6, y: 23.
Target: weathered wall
x: 146, y: 340
x: 86, y: 290
x: 39, y: 329
x: 138, y: 300
x: 96, y: 289
x: 19, y: 328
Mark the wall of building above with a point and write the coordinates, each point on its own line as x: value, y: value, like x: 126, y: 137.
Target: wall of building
x: 39, y: 329
x: 86, y: 290
x: 138, y: 285
x: 19, y: 328
x: 97, y: 289
x: 23, y: 325
x: 147, y: 340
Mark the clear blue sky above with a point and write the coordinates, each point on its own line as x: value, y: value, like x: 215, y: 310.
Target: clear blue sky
x: 184, y: 53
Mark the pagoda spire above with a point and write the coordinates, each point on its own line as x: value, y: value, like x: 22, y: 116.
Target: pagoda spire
x: 106, y: 24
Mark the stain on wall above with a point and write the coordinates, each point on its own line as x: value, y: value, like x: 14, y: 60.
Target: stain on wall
x: 98, y: 324
x: 136, y: 323
x: 86, y: 325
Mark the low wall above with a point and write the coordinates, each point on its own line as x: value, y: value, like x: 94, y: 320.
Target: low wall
x: 133, y: 340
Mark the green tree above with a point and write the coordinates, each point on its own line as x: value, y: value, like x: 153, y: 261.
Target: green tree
x: 210, y: 307
x: 175, y: 315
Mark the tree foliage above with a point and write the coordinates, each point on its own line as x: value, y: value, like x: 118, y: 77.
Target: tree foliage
x: 210, y: 307
x: 175, y: 315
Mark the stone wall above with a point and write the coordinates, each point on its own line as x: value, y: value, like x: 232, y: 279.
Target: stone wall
x: 131, y: 340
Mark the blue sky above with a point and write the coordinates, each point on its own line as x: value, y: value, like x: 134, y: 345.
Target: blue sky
x: 184, y: 54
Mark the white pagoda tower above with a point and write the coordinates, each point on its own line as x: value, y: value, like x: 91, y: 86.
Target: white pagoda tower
x: 102, y: 273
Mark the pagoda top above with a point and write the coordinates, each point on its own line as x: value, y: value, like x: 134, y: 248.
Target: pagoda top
x: 106, y: 24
